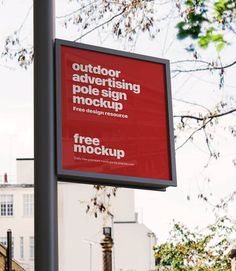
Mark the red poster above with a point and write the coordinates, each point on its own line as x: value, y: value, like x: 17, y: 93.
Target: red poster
x: 114, y: 115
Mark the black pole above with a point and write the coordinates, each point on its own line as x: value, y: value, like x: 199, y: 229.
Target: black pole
x: 9, y: 250
x: 46, y: 240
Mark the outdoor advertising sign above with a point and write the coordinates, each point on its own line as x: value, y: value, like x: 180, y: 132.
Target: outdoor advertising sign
x: 114, y: 118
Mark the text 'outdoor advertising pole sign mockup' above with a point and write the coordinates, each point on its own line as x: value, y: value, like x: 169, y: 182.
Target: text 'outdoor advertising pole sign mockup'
x: 114, y: 118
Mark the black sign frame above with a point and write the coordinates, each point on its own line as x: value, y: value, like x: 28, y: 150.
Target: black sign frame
x: 110, y: 179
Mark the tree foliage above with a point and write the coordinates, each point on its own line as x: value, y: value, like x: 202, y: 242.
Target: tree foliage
x: 100, y: 202
x: 207, y: 21
x: 125, y: 19
x: 204, y: 21
x: 189, y: 250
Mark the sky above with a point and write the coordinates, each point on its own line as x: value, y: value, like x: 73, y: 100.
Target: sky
x: 156, y: 209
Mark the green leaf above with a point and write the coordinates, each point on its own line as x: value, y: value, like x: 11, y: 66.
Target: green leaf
x: 220, y: 46
x: 203, y: 42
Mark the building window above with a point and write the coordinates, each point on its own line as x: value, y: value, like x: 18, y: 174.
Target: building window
x: 6, y: 205
x: 22, y: 247
x: 3, y: 241
x: 28, y: 204
x: 31, y: 248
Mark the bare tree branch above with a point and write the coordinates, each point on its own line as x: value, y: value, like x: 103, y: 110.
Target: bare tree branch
x: 189, y: 117
x: 25, y: 19
x: 75, y: 11
x: 210, y: 116
x: 100, y: 25
x: 193, y: 133
x: 195, y: 104
x: 205, y: 121
x: 190, y: 61
x: 210, y: 67
x: 208, y: 144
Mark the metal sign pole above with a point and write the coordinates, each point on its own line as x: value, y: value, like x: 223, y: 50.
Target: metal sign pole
x: 46, y: 240
x: 9, y: 250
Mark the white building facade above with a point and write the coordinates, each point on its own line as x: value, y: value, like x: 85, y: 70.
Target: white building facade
x: 17, y: 214
x: 80, y: 233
